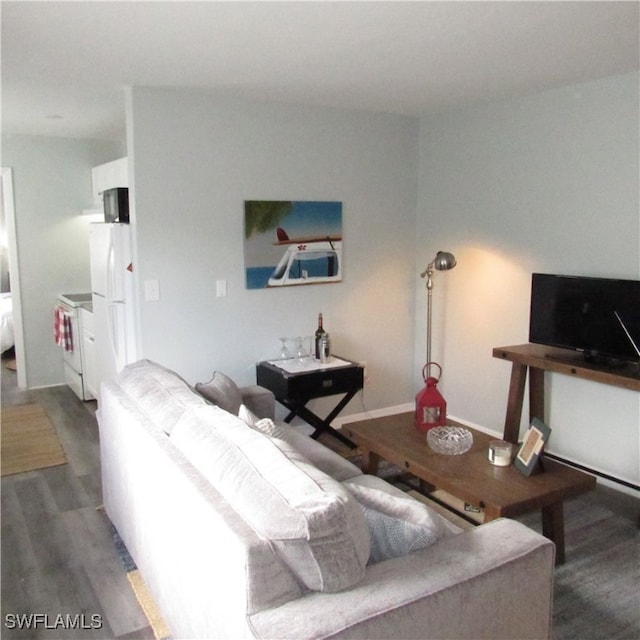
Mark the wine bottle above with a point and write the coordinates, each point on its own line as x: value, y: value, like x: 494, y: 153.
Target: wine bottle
x: 320, y: 332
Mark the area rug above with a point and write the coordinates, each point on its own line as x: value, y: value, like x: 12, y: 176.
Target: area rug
x: 29, y: 441
x: 597, y: 590
x: 145, y: 600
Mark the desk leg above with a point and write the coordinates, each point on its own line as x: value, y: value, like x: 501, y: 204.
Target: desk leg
x: 320, y: 425
x: 336, y: 410
x: 536, y: 393
x: 553, y: 528
x: 514, y: 403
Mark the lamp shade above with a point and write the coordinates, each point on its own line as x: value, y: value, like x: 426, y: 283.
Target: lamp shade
x: 444, y: 261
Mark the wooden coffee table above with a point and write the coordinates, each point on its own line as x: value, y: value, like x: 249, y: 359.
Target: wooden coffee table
x: 469, y: 477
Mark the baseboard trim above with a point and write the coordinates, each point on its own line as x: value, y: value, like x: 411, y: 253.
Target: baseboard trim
x: 374, y: 413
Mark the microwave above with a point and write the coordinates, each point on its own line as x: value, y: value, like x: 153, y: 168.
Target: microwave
x: 116, y: 204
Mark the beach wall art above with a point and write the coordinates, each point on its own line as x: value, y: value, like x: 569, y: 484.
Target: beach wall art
x: 292, y: 243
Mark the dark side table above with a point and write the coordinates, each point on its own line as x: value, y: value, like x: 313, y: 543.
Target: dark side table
x: 294, y: 389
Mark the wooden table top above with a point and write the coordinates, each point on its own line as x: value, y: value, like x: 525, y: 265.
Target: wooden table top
x: 500, y: 491
x: 570, y: 363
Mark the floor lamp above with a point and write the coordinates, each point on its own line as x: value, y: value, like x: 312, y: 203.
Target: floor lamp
x: 442, y: 262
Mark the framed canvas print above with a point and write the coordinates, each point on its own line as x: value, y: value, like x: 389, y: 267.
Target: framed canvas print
x: 532, y: 446
x: 290, y: 243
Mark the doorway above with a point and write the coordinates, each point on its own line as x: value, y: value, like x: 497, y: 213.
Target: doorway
x: 11, y: 280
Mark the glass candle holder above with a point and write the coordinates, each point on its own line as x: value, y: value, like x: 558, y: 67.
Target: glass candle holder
x: 499, y: 453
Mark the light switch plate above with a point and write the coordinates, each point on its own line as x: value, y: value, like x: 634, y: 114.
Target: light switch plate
x: 221, y: 288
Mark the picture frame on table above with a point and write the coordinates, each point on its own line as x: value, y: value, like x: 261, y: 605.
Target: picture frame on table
x: 532, y: 446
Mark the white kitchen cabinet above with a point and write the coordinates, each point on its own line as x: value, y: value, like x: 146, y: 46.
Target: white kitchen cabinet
x: 88, y: 352
x: 109, y: 176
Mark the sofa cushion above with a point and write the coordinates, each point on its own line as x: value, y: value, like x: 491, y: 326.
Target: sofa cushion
x: 161, y: 394
x: 314, y: 523
x: 323, y: 458
x: 328, y: 461
x: 222, y: 391
x: 398, y: 524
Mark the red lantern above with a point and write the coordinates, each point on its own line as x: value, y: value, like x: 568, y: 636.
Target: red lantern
x: 431, y: 407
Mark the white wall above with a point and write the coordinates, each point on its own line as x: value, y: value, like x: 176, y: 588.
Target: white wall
x: 196, y: 159
x: 547, y: 183
x: 52, y: 184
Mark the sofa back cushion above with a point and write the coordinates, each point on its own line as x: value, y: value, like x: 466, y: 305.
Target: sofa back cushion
x: 161, y: 394
x: 181, y: 531
x: 313, y: 522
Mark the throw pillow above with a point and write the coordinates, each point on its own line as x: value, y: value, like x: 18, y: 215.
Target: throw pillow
x: 247, y: 416
x: 397, y: 525
x: 221, y: 391
x: 263, y: 425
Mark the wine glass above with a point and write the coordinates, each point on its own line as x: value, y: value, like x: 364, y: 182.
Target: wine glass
x: 311, y: 345
x: 285, y: 354
x: 301, y: 353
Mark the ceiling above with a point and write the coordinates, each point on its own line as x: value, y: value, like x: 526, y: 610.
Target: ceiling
x: 65, y: 64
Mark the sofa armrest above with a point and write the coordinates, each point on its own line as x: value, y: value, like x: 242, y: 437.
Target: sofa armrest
x: 260, y: 401
x: 493, y: 581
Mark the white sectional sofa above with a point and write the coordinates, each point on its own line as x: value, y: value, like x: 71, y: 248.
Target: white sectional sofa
x: 246, y: 529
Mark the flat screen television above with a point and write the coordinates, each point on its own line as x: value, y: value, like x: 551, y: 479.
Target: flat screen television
x: 599, y: 317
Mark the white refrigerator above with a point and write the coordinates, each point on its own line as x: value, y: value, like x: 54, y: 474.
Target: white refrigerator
x: 112, y: 296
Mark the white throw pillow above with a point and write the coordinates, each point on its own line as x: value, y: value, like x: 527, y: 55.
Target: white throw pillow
x: 263, y: 425
x: 397, y: 525
x: 246, y: 415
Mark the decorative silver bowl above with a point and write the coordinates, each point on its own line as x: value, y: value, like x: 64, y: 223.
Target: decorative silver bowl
x: 451, y: 441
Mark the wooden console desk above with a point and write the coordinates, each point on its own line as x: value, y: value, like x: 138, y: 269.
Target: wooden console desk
x: 537, y: 359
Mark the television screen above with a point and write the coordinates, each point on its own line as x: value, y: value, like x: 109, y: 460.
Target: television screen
x: 598, y: 316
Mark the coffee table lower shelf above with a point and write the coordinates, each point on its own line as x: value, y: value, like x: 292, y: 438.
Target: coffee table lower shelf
x: 473, y: 515
x: 470, y: 478
x: 445, y: 512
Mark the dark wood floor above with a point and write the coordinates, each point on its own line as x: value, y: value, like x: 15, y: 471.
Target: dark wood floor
x: 58, y: 556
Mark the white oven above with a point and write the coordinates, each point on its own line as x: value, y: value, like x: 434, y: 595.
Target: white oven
x: 71, y: 304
